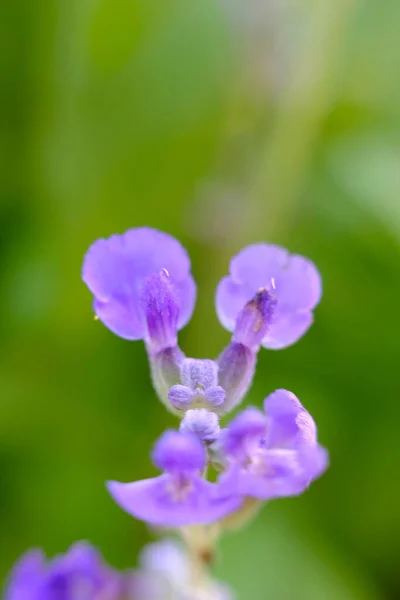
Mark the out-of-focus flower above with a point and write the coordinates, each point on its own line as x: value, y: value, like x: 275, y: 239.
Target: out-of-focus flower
x: 180, y: 496
x: 80, y: 574
x: 141, y: 284
x: 167, y: 564
x: 291, y: 279
x: 274, y: 454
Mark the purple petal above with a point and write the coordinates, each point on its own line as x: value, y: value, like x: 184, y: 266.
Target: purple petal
x: 230, y: 299
x: 78, y: 573
x: 292, y: 279
x: 287, y: 329
x: 179, y: 452
x: 298, y: 286
x: 186, y: 292
x: 289, y: 424
x: 278, y: 473
x: 256, y: 265
x: 161, y: 311
x: 119, y: 317
x: 247, y: 427
x: 315, y: 460
x: 115, y: 269
x: 155, y: 501
x: 26, y: 576
x: 81, y: 571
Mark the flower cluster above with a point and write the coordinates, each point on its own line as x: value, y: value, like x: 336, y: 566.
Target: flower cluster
x: 143, y: 289
x: 163, y: 573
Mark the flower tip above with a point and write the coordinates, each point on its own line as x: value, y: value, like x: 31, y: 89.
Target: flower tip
x: 115, y: 488
x: 179, y: 451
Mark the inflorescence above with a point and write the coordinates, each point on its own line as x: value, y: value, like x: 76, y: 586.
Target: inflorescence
x: 143, y: 290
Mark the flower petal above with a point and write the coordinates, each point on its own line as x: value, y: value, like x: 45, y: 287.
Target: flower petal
x: 115, y: 269
x: 230, y: 299
x: 287, y: 329
x: 298, y: 285
x: 289, y: 424
x: 292, y: 280
x: 180, y: 452
x: 26, y: 576
x: 287, y: 473
x: 121, y: 318
x: 186, y: 292
x: 153, y: 501
x: 247, y: 427
x: 257, y: 264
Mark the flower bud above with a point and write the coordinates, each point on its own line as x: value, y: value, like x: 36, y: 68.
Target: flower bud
x: 236, y: 371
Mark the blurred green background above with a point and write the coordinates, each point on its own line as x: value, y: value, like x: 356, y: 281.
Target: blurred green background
x: 222, y: 122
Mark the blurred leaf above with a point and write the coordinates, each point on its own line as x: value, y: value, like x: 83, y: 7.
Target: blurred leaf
x: 271, y: 559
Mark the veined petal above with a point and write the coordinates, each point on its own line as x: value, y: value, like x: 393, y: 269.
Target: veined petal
x: 292, y: 280
x: 289, y: 424
x: 116, y: 268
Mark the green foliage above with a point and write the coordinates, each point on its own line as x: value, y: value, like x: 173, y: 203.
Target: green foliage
x: 122, y: 113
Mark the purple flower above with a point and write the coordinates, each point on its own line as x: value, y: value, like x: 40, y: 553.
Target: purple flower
x: 141, y: 284
x: 293, y: 280
x: 79, y: 574
x: 180, y: 496
x: 273, y: 454
x: 167, y: 564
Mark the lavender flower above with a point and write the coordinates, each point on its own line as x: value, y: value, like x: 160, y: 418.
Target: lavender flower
x: 79, y: 574
x: 144, y: 290
x: 180, y: 496
x: 293, y: 280
x: 273, y: 454
x: 120, y: 272
x: 168, y: 564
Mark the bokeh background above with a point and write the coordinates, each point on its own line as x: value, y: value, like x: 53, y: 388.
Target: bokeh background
x: 222, y: 122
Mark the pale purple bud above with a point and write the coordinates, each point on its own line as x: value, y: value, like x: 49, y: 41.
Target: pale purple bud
x: 180, y: 397
x: 236, y: 370
x: 201, y: 422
